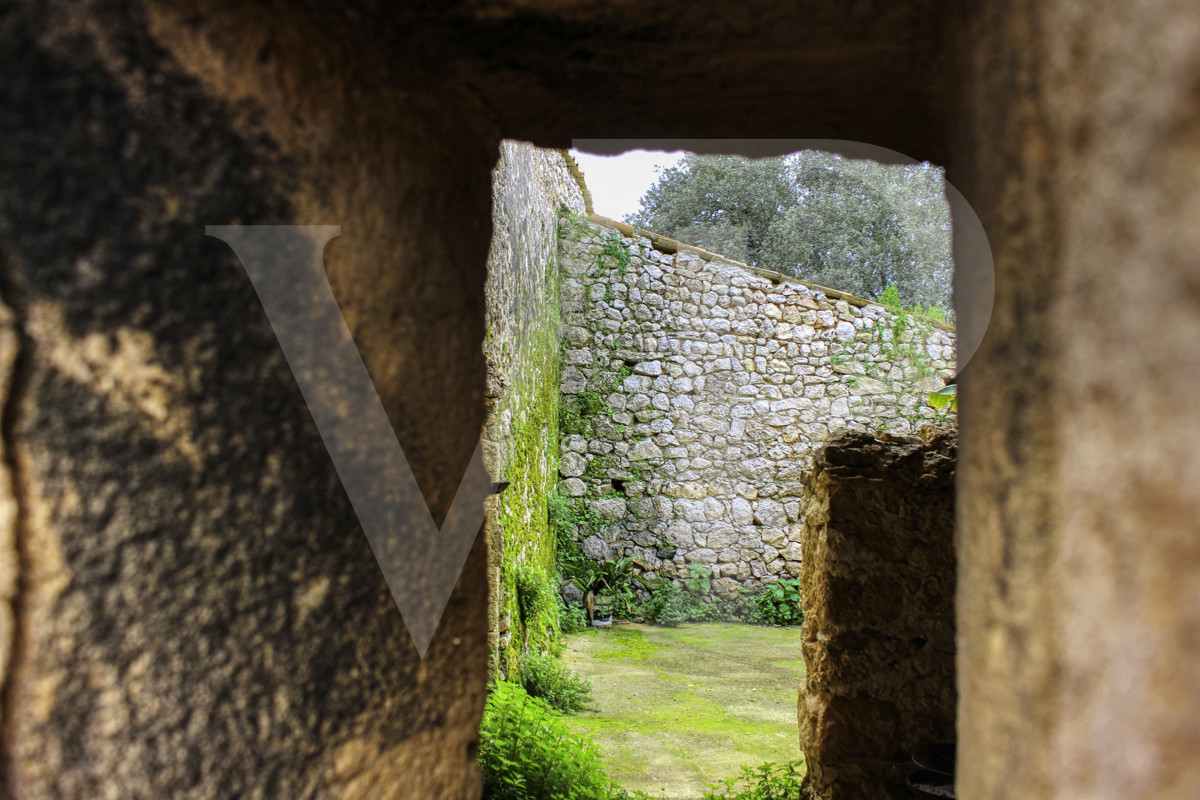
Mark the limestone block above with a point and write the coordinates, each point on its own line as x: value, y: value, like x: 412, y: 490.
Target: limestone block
x: 776, y: 537
x: 609, y: 508
x: 645, y: 449
x: 573, y: 465
x: 770, y: 513
x: 580, y: 358
x: 573, y: 487
x: 596, y: 548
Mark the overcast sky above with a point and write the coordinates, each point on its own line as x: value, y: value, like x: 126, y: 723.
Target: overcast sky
x: 617, y: 183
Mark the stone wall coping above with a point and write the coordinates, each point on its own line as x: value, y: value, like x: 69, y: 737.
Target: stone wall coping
x: 666, y: 244
x: 577, y: 174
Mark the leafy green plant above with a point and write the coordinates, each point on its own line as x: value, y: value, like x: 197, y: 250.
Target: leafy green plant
x: 615, y: 249
x: 779, y: 602
x: 601, y: 577
x: 945, y: 397
x: 764, y: 782
x: 546, y: 678
x: 698, y: 580
x: 669, y: 605
x: 559, y: 512
x: 527, y: 752
x: 590, y: 403
x: 572, y: 619
x: 536, y: 598
x: 890, y: 297
x: 570, y: 520
x: 571, y: 421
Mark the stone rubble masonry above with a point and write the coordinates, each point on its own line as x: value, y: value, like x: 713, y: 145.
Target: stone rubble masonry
x: 878, y: 583
x: 529, y: 187
x: 696, y: 389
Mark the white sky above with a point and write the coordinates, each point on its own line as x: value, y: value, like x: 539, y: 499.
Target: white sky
x: 617, y: 183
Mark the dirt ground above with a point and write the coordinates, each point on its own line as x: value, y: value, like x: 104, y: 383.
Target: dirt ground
x: 675, y: 709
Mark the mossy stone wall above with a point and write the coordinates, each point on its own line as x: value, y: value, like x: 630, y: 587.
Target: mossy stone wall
x: 530, y: 186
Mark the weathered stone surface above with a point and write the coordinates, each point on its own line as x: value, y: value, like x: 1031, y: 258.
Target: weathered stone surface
x: 197, y: 612
x: 609, y: 509
x: 645, y: 449
x: 723, y: 414
x: 878, y: 571
x: 573, y: 465
x: 595, y: 547
x: 1079, y: 521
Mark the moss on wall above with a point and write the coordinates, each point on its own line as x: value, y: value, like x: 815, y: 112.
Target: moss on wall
x: 531, y: 470
x: 534, y: 191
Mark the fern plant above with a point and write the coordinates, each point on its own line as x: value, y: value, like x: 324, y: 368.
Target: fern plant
x: 526, y: 752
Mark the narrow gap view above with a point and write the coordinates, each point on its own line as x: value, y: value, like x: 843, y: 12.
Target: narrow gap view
x: 723, y: 563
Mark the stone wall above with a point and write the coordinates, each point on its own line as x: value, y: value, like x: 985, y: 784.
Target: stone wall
x: 879, y: 581
x: 194, y: 610
x: 695, y: 390
x: 529, y: 187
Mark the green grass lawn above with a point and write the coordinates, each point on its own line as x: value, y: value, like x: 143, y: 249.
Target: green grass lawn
x: 675, y: 709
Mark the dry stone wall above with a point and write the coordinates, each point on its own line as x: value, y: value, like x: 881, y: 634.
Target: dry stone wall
x: 695, y: 391
x: 879, y: 583
x: 529, y: 187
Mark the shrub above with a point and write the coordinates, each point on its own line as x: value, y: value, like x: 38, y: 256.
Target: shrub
x: 891, y: 298
x: 699, y: 580
x: 590, y: 403
x: 526, y: 752
x: 686, y: 608
x: 765, y: 782
x: 668, y: 605
x: 779, y: 603
x: 572, y: 619
x: 559, y: 513
x: 536, y: 598
x: 545, y: 678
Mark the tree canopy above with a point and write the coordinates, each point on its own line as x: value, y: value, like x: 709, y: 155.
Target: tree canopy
x: 857, y: 226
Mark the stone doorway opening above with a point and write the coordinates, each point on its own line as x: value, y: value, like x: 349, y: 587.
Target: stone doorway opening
x: 649, y: 397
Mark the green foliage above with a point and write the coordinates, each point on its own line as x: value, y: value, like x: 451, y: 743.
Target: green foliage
x: 765, y: 782
x: 698, y: 580
x: 945, y: 397
x: 570, y: 224
x: 536, y: 598
x: 614, y: 575
x: 615, y: 249
x: 891, y: 298
x: 570, y: 519
x: 858, y: 226
x: 532, y: 402
x: 669, y: 605
x: 589, y: 403
x: 779, y: 602
x: 571, y: 421
x: 572, y: 619
x: 559, y: 512
x: 595, y: 470
x: 575, y: 414
x: 527, y: 752
x: 546, y: 678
